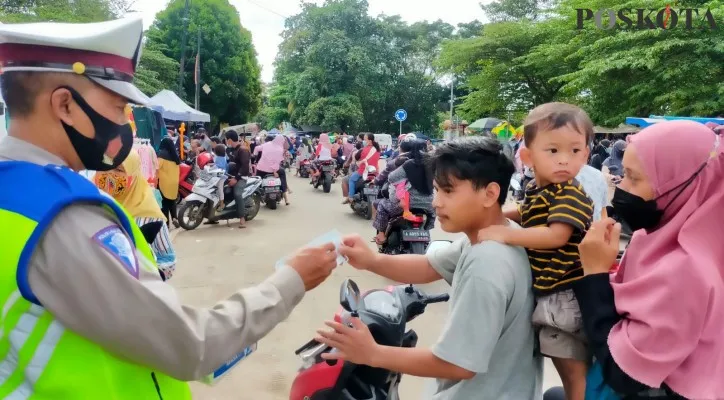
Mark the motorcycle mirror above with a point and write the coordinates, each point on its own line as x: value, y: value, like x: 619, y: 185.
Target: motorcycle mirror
x: 437, y: 245
x: 349, y: 296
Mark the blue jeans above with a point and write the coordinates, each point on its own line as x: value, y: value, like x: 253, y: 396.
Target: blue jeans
x: 353, y: 183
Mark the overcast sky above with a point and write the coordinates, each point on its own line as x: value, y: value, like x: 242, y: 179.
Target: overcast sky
x: 265, y: 18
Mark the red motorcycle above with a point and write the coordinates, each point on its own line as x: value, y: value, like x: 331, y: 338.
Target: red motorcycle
x: 325, y: 176
x: 305, y: 168
x: 186, y: 179
x: 386, y: 313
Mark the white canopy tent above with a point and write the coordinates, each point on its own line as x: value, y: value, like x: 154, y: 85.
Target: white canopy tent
x: 172, y: 107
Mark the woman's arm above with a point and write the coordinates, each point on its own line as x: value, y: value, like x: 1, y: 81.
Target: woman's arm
x: 369, y: 155
x: 598, y: 310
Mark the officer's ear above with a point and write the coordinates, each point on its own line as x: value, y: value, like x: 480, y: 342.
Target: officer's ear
x: 60, y: 103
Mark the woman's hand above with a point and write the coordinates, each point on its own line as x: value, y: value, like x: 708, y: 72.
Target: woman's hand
x: 599, y: 248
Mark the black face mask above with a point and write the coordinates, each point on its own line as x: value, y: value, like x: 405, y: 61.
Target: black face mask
x: 92, y: 152
x: 636, y: 212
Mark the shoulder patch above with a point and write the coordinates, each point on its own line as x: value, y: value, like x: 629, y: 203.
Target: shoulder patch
x: 116, y: 242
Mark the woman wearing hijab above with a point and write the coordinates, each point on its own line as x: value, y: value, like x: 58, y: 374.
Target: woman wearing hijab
x: 323, y: 152
x: 271, y: 157
x: 370, y: 157
x: 600, y: 154
x: 416, y: 174
x: 129, y: 187
x: 168, y: 178
x: 613, y: 165
x: 655, y: 326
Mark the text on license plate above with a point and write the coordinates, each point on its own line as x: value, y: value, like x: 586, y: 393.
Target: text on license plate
x: 272, y: 189
x: 327, y: 168
x: 371, y: 191
x: 416, y: 236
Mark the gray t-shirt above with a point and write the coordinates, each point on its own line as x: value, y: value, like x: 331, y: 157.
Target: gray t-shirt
x: 489, y: 328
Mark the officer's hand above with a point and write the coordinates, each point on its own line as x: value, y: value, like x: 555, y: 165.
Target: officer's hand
x: 314, y: 264
x: 358, y: 252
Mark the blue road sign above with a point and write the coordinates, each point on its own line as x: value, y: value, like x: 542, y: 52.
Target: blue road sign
x: 400, y: 115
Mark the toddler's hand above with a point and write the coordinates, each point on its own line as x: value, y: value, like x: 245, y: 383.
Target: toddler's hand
x: 497, y: 233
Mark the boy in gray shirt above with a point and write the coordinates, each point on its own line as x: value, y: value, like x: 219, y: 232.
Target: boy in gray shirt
x: 486, y: 350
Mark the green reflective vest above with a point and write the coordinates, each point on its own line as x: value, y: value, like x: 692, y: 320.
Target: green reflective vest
x: 39, y: 358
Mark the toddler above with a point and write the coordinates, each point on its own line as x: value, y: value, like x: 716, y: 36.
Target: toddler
x: 555, y: 214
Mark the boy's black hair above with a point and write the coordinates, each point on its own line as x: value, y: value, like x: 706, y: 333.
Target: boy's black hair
x: 477, y: 159
x: 220, y: 150
x: 232, y: 135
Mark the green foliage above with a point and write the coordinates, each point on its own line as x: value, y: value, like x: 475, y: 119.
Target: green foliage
x: 228, y: 59
x: 16, y: 11
x: 341, y: 69
x: 155, y: 70
x: 521, y: 62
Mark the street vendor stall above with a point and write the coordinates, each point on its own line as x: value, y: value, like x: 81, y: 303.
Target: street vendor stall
x: 173, y: 108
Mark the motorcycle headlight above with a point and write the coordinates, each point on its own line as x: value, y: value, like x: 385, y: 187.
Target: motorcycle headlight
x: 371, y: 169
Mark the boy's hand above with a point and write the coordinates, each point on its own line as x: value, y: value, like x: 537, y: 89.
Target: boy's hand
x: 497, y: 233
x: 358, y: 253
x: 354, y: 344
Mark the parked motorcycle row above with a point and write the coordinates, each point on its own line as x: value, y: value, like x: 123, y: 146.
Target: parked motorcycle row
x: 201, y: 197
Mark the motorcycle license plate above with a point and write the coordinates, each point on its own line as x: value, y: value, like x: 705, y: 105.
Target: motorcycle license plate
x: 327, y: 168
x: 271, y: 189
x: 415, y: 236
x: 371, y: 191
x: 272, y: 182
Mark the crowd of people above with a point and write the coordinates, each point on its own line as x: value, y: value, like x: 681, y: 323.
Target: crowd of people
x: 647, y: 326
x: 82, y: 282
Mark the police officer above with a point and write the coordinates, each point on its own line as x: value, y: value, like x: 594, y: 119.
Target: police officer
x: 85, y: 314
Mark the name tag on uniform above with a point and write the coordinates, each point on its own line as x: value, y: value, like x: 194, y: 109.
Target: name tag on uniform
x: 223, y: 370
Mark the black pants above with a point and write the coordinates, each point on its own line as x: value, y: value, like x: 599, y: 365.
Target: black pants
x: 239, y: 198
x: 168, y: 208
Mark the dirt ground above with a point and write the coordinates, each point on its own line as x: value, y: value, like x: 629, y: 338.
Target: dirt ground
x: 216, y: 261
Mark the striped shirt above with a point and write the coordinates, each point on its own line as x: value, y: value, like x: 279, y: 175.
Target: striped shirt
x: 555, y: 270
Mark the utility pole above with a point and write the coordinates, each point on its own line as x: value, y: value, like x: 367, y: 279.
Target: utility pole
x: 197, y: 68
x: 452, y: 98
x: 183, y: 49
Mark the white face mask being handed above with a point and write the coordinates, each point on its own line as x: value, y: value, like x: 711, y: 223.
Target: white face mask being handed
x: 92, y: 152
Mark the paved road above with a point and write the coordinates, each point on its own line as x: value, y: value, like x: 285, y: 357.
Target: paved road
x: 216, y: 261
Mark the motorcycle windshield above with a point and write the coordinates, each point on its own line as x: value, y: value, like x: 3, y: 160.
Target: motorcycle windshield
x: 384, y: 304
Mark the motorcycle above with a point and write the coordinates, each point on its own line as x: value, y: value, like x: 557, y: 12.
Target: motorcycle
x: 305, y: 169
x: 272, y: 191
x: 340, y: 170
x: 408, y: 234
x: 186, y: 180
x: 363, y: 202
x: 386, y: 313
x: 325, y: 177
x: 202, y: 203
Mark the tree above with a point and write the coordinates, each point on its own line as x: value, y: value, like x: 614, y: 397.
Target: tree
x: 155, y: 70
x: 228, y: 59
x: 339, y: 68
x: 16, y: 11
x: 539, y: 56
